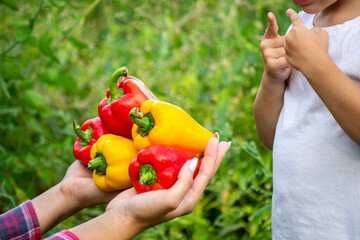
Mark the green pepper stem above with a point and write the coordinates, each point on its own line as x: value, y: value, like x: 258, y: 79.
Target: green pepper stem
x: 98, y: 163
x: 114, y: 92
x: 147, y: 175
x: 137, y: 117
x: 144, y: 122
x: 85, y: 137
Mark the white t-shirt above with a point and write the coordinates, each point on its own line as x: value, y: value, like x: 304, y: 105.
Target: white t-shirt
x: 316, y: 166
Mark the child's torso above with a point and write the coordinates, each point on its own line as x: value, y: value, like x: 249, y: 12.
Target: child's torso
x: 316, y: 165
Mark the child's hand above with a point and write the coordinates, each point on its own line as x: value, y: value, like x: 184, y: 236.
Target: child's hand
x: 305, y: 48
x: 273, y: 52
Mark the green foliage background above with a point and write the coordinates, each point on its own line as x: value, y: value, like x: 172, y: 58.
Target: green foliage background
x: 57, y: 55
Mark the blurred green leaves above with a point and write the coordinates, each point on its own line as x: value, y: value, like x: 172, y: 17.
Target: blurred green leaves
x: 4, y: 88
x: 10, y: 4
x: 45, y: 48
x: 22, y: 33
x: 77, y: 43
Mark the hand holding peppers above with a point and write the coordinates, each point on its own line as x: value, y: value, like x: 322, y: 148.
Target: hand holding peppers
x: 157, y: 167
x: 129, y: 93
x: 146, y: 210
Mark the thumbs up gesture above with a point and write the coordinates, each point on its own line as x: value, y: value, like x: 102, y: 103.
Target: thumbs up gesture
x: 273, y: 52
x: 305, y: 48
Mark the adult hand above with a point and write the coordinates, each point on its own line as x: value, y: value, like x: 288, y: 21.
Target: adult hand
x: 151, y: 208
x: 305, y: 48
x: 75, y: 192
x: 78, y: 185
x: 272, y: 48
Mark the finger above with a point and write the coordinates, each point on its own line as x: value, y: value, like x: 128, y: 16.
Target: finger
x: 78, y: 169
x: 196, y: 189
x: 206, y: 171
x: 223, y: 148
x: 184, y: 182
x: 211, y: 149
x: 189, y: 201
x: 277, y: 42
x: 192, y: 195
x: 208, y: 164
x: 273, y: 53
x: 279, y: 63
x: 272, y: 27
x: 294, y: 18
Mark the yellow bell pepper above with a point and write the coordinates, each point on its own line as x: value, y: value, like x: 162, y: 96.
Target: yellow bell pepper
x: 161, y: 123
x: 111, y: 156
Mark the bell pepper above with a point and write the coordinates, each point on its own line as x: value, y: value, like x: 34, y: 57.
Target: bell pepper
x: 121, y: 98
x: 111, y: 156
x: 157, y: 167
x: 87, y: 135
x: 161, y: 123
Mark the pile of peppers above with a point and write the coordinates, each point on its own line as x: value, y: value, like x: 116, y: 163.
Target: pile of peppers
x: 137, y: 140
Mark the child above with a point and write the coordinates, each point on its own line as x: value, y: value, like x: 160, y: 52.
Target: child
x: 308, y: 112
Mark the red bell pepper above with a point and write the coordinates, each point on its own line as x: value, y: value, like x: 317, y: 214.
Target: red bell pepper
x: 121, y: 98
x: 157, y: 167
x: 88, y: 134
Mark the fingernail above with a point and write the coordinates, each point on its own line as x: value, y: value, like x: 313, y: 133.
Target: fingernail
x: 216, y: 135
x: 193, y: 164
x: 229, y: 143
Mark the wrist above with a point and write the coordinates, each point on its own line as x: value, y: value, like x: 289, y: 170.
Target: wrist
x: 111, y: 224
x: 52, y: 207
x: 269, y: 79
x: 67, y: 194
x: 126, y: 223
x: 272, y: 85
x: 313, y: 69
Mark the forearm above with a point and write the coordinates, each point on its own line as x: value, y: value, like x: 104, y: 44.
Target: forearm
x: 52, y: 207
x: 267, y: 107
x: 339, y: 93
x: 110, y: 225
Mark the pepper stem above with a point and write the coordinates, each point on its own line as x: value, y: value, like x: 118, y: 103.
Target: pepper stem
x: 85, y: 136
x: 145, y: 122
x: 98, y: 163
x: 147, y: 175
x: 115, y: 93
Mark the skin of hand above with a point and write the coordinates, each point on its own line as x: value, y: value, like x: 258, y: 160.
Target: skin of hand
x: 130, y: 213
x: 75, y: 192
x: 305, y: 48
x: 273, y: 52
x: 78, y: 184
x: 269, y: 100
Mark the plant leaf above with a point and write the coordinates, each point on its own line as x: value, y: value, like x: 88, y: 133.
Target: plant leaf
x: 10, y: 4
x: 4, y: 88
x: 22, y: 33
x: 45, y: 48
x: 77, y: 43
x: 34, y: 98
x: 261, y: 211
